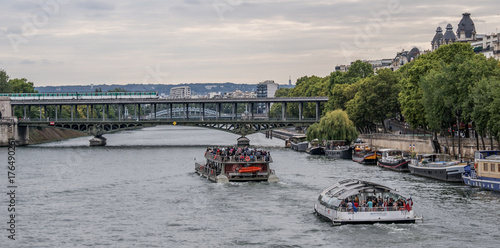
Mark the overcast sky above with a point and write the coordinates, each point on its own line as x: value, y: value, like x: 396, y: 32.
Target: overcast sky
x: 80, y: 42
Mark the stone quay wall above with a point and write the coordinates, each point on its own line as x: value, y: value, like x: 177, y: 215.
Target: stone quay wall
x: 424, y: 144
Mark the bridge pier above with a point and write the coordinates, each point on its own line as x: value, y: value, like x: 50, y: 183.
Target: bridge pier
x: 98, y: 140
x: 9, y: 129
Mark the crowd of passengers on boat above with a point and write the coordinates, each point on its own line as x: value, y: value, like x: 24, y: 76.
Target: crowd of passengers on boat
x: 374, y: 204
x: 238, y: 154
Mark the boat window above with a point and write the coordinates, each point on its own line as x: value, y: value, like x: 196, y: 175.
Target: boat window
x: 493, y: 167
x: 498, y: 167
x: 325, y: 199
x: 485, y: 166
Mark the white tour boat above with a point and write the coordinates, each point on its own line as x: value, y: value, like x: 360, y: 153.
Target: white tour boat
x: 354, y: 201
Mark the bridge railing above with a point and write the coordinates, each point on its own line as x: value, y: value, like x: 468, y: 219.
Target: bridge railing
x: 161, y: 119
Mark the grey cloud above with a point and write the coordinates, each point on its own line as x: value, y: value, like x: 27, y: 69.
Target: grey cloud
x: 116, y: 40
x: 192, y: 1
x: 27, y: 62
x: 95, y: 5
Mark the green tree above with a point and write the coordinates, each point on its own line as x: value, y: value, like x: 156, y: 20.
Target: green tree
x: 21, y: 85
x: 375, y: 100
x: 448, y: 88
x: 360, y: 69
x: 486, y: 114
x: 5, y: 87
x: 411, y: 96
x: 339, y: 85
x: 335, y: 125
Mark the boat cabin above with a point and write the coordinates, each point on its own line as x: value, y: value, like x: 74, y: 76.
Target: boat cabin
x: 487, y: 164
x: 336, y: 144
x: 434, y: 159
x: 357, y: 192
x: 362, y: 147
x: 394, y: 155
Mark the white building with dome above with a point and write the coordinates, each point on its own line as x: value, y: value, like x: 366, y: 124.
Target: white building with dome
x: 487, y: 44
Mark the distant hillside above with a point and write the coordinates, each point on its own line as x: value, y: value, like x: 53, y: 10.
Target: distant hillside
x: 196, y: 89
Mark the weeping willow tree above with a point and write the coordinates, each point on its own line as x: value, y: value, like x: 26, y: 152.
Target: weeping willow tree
x: 335, y: 125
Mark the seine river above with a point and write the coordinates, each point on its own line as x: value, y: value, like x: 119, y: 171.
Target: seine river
x: 141, y: 191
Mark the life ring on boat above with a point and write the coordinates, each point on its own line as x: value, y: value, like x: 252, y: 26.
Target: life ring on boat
x: 247, y: 158
x: 215, y: 157
x: 475, y: 166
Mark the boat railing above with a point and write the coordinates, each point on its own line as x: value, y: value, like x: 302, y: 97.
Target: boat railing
x: 374, y: 209
x: 240, y: 159
x: 207, y: 170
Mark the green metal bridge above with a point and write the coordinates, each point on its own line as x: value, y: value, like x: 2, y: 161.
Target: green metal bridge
x: 234, y: 122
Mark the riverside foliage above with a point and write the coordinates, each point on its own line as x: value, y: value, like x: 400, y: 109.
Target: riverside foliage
x: 448, y: 89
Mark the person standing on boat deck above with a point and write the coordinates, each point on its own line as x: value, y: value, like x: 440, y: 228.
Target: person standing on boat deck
x: 349, y: 206
x: 370, y: 205
x: 343, y: 205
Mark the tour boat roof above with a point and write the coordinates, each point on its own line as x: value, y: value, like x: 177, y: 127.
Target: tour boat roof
x: 349, y: 187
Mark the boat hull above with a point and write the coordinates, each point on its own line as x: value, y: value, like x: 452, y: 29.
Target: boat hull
x: 440, y: 173
x: 401, y: 166
x: 300, y: 147
x: 366, y: 160
x: 484, y: 183
x: 343, y: 154
x: 235, y: 177
x: 349, y: 218
x: 316, y: 151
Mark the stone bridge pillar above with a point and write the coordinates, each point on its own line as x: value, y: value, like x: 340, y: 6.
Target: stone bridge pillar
x: 8, y: 125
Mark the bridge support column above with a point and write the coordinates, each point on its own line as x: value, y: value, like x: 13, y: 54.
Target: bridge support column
x: 300, y: 111
x: 171, y: 111
x: 55, y: 112
x: 283, y: 111
x: 234, y: 114
x: 119, y: 112
x: 9, y: 129
x: 218, y: 109
x: 203, y: 111
x: 154, y: 107
x: 24, y: 112
x: 46, y: 116
x: 92, y: 111
x: 268, y: 110
x: 139, y: 108
x: 251, y: 110
x: 186, y: 106
x: 87, y: 112
x: 317, y: 111
x: 72, y: 109
x: 98, y: 140
x: 40, y: 109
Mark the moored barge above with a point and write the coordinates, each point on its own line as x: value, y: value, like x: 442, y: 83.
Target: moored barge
x: 437, y: 166
x: 338, y: 149
x: 486, y: 171
x: 394, y: 159
x: 363, y: 154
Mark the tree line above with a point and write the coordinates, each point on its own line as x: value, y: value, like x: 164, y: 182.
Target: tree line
x: 450, y: 89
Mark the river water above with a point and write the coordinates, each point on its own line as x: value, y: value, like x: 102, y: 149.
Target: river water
x: 141, y: 191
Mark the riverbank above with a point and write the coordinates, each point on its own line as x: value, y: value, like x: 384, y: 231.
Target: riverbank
x: 44, y: 135
x: 419, y: 144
